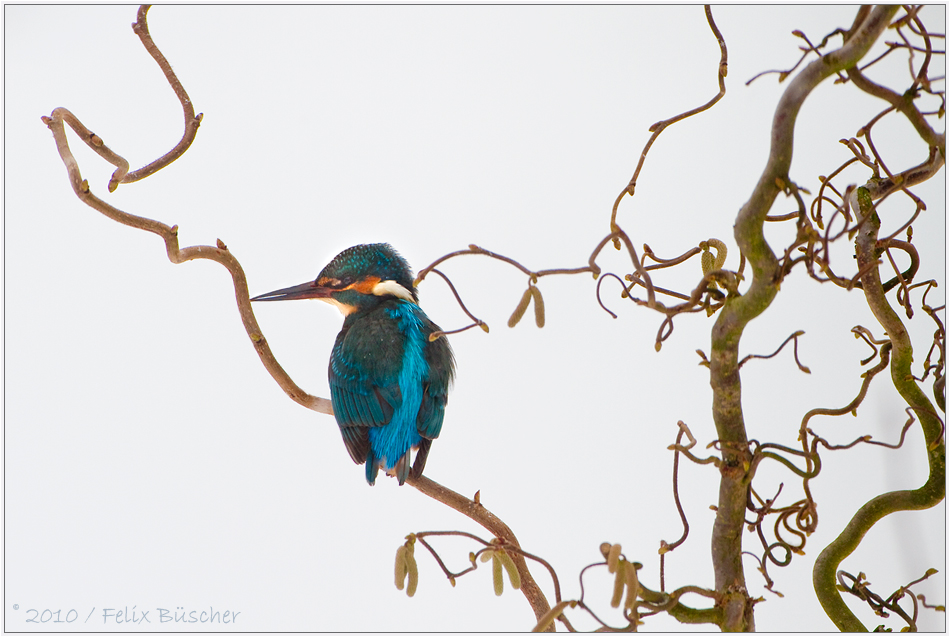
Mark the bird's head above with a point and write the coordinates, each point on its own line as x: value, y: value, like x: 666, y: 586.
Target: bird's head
x: 356, y: 279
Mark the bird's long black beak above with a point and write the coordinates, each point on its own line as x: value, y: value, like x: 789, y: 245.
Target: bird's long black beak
x: 308, y: 290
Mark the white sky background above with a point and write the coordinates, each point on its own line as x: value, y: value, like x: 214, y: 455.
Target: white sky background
x: 151, y: 462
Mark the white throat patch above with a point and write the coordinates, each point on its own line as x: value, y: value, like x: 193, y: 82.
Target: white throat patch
x: 343, y: 307
x: 391, y: 287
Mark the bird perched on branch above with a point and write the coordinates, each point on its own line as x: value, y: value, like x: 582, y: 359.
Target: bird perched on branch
x: 389, y: 377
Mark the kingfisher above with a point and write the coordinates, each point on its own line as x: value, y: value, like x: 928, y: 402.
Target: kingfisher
x: 390, y: 368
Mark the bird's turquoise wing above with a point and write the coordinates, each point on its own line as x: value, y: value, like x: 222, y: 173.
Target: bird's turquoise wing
x: 441, y: 364
x: 364, y: 386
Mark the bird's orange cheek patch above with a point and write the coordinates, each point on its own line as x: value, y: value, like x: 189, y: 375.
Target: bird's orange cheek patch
x: 366, y: 285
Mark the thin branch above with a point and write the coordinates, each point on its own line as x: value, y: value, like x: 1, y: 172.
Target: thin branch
x: 793, y: 337
x: 220, y: 254
x: 478, y: 322
x: 479, y: 514
x: 169, y: 234
x: 914, y: 116
x: 192, y: 121
x: 660, y: 126
x: 666, y: 547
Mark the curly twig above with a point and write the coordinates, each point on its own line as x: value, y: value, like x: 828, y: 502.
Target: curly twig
x: 793, y: 337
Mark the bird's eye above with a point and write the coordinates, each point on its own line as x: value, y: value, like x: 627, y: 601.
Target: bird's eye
x: 329, y: 282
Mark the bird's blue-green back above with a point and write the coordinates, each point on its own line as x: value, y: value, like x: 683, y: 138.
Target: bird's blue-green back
x: 389, y: 386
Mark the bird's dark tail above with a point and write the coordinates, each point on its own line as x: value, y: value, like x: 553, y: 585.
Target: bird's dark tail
x: 401, y: 470
x: 372, y: 468
x: 421, y: 455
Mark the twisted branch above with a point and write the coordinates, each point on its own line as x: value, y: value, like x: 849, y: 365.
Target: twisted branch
x: 739, y: 311
x: 220, y: 254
